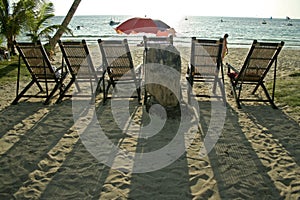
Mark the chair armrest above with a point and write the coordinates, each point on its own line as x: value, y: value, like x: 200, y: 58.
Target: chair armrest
x: 230, y: 67
x: 233, y: 74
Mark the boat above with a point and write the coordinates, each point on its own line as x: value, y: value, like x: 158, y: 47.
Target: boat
x: 289, y: 21
x: 112, y: 22
x: 78, y: 27
x: 264, y: 22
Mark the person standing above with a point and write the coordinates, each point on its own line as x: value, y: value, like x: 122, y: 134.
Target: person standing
x: 225, y: 48
x: 4, y: 54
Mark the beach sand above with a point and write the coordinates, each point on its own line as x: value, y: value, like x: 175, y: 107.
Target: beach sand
x: 256, y: 156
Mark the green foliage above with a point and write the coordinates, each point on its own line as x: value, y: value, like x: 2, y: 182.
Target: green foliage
x: 1, y: 40
x: 287, y: 90
x: 9, y: 71
x: 13, y: 18
x: 31, y: 16
x: 38, y: 23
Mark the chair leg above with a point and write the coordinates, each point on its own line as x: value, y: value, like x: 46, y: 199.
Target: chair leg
x: 103, y: 88
x: 222, y: 88
x: 215, y: 85
x: 268, y: 96
x: 235, y: 96
x: 145, y: 95
x: 105, y: 94
x: 138, y: 90
x: 189, y: 88
x: 39, y: 86
x: 18, y: 97
x: 58, y: 85
x: 62, y: 94
x: 98, y: 88
x: 78, y: 87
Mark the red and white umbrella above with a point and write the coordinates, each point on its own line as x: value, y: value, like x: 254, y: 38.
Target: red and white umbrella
x: 142, y: 25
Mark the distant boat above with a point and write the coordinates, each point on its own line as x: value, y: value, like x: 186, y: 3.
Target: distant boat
x: 264, y: 22
x: 289, y: 21
x: 78, y: 27
x: 222, y: 20
x: 185, y: 18
x: 112, y: 22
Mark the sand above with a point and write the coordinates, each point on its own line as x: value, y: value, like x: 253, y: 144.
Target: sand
x: 256, y: 156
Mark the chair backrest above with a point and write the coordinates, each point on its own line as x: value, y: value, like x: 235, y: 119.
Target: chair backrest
x: 77, y: 57
x: 259, y: 60
x: 116, y: 56
x: 206, y: 56
x: 157, y: 41
x: 36, y: 60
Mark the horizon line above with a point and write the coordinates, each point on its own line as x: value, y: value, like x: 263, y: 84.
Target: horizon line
x: 257, y: 17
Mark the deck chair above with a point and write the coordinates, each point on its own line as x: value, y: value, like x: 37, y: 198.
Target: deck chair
x: 157, y: 41
x: 159, y: 51
x: 48, y: 78
x: 205, y: 66
x: 77, y: 57
x: 118, y: 63
x: 260, y: 58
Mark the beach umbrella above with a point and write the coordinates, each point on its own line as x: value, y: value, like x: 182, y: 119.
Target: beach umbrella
x: 141, y: 25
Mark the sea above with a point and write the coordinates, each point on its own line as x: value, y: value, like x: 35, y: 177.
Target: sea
x: 242, y: 31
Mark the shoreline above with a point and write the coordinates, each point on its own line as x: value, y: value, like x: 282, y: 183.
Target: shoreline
x: 180, y: 41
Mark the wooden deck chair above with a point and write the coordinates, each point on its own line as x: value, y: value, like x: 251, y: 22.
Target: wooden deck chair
x: 160, y: 50
x: 157, y: 41
x: 43, y: 74
x: 260, y: 58
x: 118, y: 63
x: 205, y: 66
x: 77, y: 57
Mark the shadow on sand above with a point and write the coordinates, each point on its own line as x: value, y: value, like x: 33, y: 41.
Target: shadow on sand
x: 238, y: 170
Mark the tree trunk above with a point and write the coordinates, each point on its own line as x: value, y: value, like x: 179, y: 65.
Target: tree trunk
x: 10, y: 45
x: 65, y: 23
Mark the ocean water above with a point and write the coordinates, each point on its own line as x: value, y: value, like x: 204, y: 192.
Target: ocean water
x: 242, y: 31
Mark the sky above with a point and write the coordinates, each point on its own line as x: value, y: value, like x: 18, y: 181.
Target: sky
x: 176, y: 9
